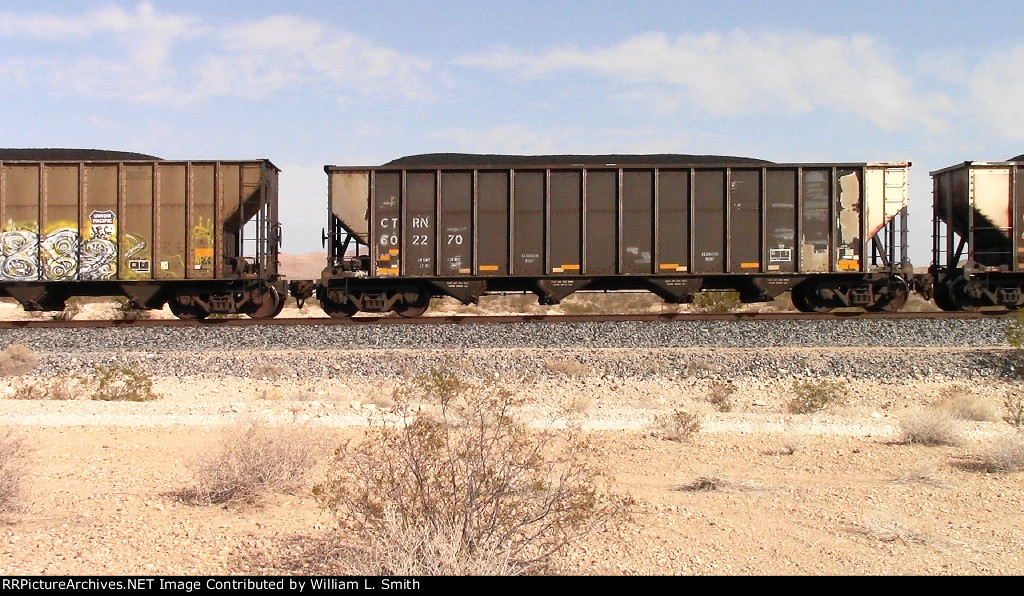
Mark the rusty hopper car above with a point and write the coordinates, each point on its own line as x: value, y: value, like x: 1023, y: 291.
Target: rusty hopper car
x: 978, y: 235
x: 833, y: 234
x: 200, y: 236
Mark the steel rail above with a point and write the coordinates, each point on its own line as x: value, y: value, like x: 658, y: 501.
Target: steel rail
x: 504, y: 319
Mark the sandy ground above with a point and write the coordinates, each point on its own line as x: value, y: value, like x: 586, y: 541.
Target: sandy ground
x: 837, y: 492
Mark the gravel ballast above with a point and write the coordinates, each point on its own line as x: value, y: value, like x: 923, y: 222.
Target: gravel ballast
x: 632, y: 334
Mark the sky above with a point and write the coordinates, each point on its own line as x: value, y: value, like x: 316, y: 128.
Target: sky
x: 309, y: 83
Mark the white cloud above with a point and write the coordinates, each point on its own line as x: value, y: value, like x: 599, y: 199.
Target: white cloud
x: 747, y: 73
x: 997, y: 86
x: 150, y: 56
x: 258, y: 57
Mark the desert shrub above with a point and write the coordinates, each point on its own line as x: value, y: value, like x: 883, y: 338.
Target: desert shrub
x: 124, y: 310
x: 122, y: 383
x: 268, y: 370
x: 579, y: 306
x: 814, y: 396
x: 1014, y: 405
x: 929, y: 426
x: 253, y: 460
x: 715, y: 482
x: 716, y: 301
x: 1015, y: 331
x: 468, y: 489
x: 962, y: 404
x: 17, y: 359
x: 720, y: 396
x: 72, y: 308
x: 1005, y: 453
x: 680, y: 426
x: 923, y: 473
x: 789, y: 444
x: 12, y: 471
x: 885, y: 528
x: 59, y: 388
x: 582, y: 404
x: 569, y: 368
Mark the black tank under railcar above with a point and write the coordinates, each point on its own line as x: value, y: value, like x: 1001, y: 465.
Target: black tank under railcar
x: 463, y: 225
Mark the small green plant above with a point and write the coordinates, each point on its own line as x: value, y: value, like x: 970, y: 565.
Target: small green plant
x: 716, y: 301
x: 1015, y: 331
x: 122, y: 383
x: 17, y: 360
x: 465, y: 489
x: 680, y: 426
x: 930, y: 426
x: 814, y: 396
x: 12, y: 470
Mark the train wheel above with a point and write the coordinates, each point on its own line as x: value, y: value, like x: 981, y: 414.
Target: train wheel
x: 805, y: 299
x: 800, y: 300
x: 189, y: 312
x: 271, y: 306
x: 335, y: 310
x: 898, y: 292
x: 943, y: 299
x: 415, y: 304
x: 958, y: 295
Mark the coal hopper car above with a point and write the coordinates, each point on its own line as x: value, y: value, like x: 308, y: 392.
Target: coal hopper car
x: 199, y: 236
x: 832, y: 234
x: 978, y: 235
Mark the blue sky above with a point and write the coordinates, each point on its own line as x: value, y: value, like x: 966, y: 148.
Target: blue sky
x: 354, y: 83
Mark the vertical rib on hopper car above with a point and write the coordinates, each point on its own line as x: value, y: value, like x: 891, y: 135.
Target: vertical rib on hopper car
x: 833, y: 234
x: 201, y: 236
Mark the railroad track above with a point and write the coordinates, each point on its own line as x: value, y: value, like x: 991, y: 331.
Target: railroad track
x: 496, y: 319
